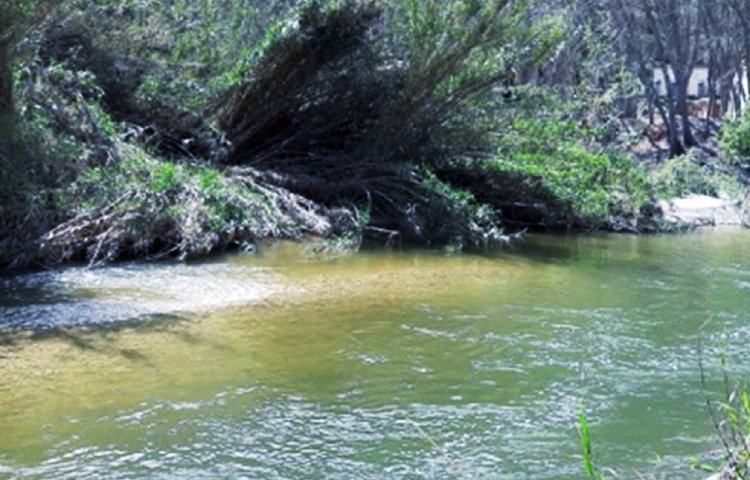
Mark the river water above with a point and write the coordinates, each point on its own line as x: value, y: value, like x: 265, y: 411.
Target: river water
x: 397, y: 365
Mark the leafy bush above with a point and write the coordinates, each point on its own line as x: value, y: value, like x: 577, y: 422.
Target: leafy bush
x: 735, y: 138
x: 584, y: 186
x: 35, y: 160
x: 352, y: 105
x: 686, y: 174
x: 454, y: 216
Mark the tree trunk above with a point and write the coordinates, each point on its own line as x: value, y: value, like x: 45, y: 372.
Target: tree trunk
x: 711, y: 100
x: 684, y: 112
x: 737, y: 99
x: 675, y: 146
x: 669, y: 119
x: 6, y: 79
x: 651, y: 103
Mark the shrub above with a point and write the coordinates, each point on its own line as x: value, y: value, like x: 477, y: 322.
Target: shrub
x: 34, y: 162
x: 354, y: 116
x: 579, y: 184
x: 686, y: 174
x: 735, y: 139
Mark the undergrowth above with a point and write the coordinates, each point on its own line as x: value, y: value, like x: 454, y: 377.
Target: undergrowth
x: 578, y: 183
x: 729, y: 410
x: 692, y: 173
x: 735, y: 139
x: 80, y: 184
x: 146, y: 129
x: 146, y: 207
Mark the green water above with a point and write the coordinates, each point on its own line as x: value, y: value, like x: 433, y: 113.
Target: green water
x: 397, y: 365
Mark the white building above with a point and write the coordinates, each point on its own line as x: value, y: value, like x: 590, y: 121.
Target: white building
x: 697, y: 87
x: 733, y: 100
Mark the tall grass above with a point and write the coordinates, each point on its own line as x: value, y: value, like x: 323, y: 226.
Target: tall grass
x: 730, y: 415
x: 587, y: 450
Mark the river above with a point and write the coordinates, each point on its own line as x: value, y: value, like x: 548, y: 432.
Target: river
x: 398, y: 365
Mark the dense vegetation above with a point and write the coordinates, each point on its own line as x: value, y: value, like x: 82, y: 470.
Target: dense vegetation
x: 145, y: 129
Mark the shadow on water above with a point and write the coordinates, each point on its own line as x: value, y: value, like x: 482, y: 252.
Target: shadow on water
x: 33, y: 289
x: 100, y: 338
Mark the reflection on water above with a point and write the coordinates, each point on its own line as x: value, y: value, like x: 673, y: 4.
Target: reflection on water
x: 380, y: 365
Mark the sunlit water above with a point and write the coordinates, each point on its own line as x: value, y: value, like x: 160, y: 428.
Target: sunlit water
x: 381, y: 365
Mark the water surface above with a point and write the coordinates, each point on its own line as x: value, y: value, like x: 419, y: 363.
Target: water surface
x: 380, y: 365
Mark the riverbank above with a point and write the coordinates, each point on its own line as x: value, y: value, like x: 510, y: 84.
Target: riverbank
x: 334, y: 123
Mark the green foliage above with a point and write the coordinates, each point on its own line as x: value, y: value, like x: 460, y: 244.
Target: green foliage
x: 144, y: 206
x: 591, y: 185
x: 587, y: 449
x: 730, y: 415
x: 735, y: 139
x: 377, y: 93
x: 393, y: 107
x: 17, y: 17
x: 34, y: 162
x: 454, y: 216
x: 165, y: 177
x: 197, y: 49
x: 683, y: 175
x: 247, y: 59
x: 17, y: 14
x: 106, y: 123
x: 455, y: 52
x: 211, y: 181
